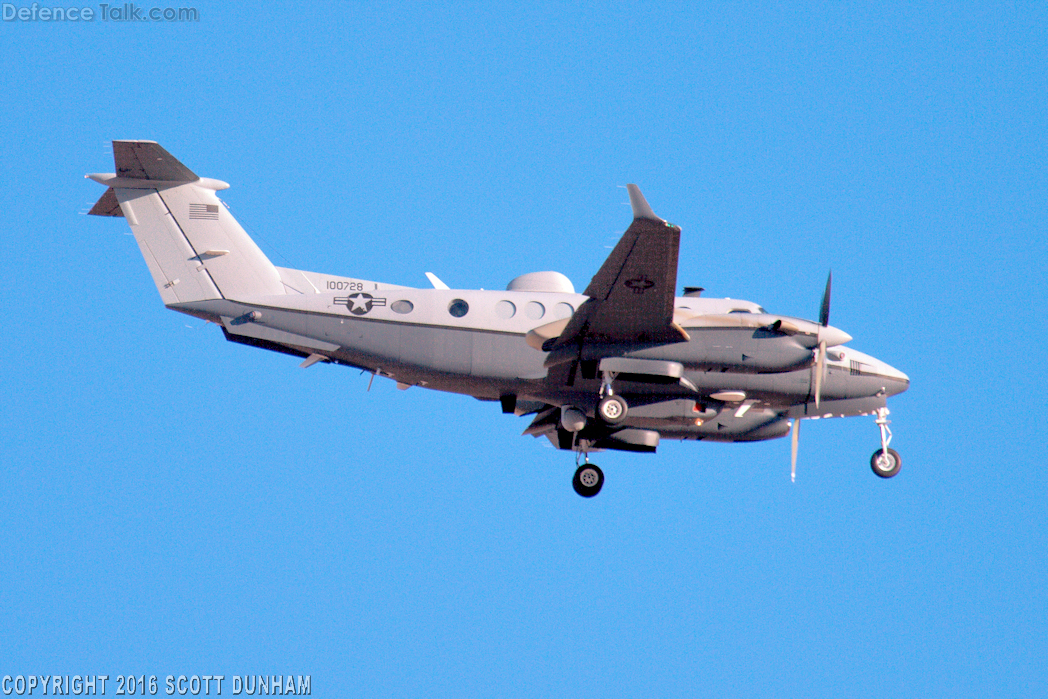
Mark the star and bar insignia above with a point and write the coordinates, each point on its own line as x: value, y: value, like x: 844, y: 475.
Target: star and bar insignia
x: 640, y: 284
x: 359, y: 303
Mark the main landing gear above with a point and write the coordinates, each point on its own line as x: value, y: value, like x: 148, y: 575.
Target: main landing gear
x: 612, y: 408
x: 588, y: 480
x: 885, y: 462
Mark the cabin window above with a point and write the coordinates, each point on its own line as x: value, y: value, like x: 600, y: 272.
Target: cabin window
x: 563, y: 310
x: 505, y: 309
x: 402, y: 306
x: 534, y: 310
x: 458, y: 308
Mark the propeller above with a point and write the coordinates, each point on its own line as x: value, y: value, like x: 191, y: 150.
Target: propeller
x: 824, y: 310
x: 820, y: 370
x: 824, y: 321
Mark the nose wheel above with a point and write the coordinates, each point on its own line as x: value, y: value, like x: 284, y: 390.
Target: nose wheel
x: 885, y: 462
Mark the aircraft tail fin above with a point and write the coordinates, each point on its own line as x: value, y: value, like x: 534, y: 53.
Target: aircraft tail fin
x: 191, y: 243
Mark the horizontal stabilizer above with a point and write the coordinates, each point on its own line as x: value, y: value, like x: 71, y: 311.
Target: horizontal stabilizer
x: 107, y: 205
x: 146, y: 160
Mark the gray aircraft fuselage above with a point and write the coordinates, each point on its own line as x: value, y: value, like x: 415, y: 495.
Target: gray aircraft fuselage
x: 485, y: 355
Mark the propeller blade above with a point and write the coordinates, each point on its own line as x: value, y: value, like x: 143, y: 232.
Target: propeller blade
x: 820, y: 370
x: 824, y: 310
x: 794, y: 439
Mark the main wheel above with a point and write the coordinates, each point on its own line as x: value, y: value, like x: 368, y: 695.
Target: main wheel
x: 588, y: 480
x: 613, y: 409
x: 885, y: 465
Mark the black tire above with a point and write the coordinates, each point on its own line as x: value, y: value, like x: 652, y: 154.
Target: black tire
x: 588, y: 480
x: 886, y: 468
x: 613, y: 409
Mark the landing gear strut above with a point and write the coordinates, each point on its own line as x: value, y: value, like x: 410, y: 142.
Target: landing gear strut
x: 588, y: 480
x: 885, y: 462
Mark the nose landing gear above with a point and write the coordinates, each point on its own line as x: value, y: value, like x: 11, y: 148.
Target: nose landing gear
x: 885, y: 462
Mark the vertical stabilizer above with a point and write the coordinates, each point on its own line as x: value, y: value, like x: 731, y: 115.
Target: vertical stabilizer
x: 193, y: 246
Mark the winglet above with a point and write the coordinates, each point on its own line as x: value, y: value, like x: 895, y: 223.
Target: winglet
x: 641, y: 209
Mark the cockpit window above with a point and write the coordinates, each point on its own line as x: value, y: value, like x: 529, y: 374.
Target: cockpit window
x: 740, y: 310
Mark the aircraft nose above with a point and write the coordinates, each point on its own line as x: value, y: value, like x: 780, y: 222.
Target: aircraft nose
x: 898, y: 381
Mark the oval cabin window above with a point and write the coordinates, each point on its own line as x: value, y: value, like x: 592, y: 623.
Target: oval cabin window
x: 402, y: 306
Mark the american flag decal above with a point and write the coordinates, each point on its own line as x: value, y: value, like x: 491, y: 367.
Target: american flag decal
x: 207, y: 212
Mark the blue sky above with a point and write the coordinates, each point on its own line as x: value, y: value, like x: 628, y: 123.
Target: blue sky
x: 175, y: 504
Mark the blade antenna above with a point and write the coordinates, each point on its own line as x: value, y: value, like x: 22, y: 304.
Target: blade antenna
x: 794, y: 440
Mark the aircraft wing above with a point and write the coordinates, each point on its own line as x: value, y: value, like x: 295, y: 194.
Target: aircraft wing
x: 631, y: 296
